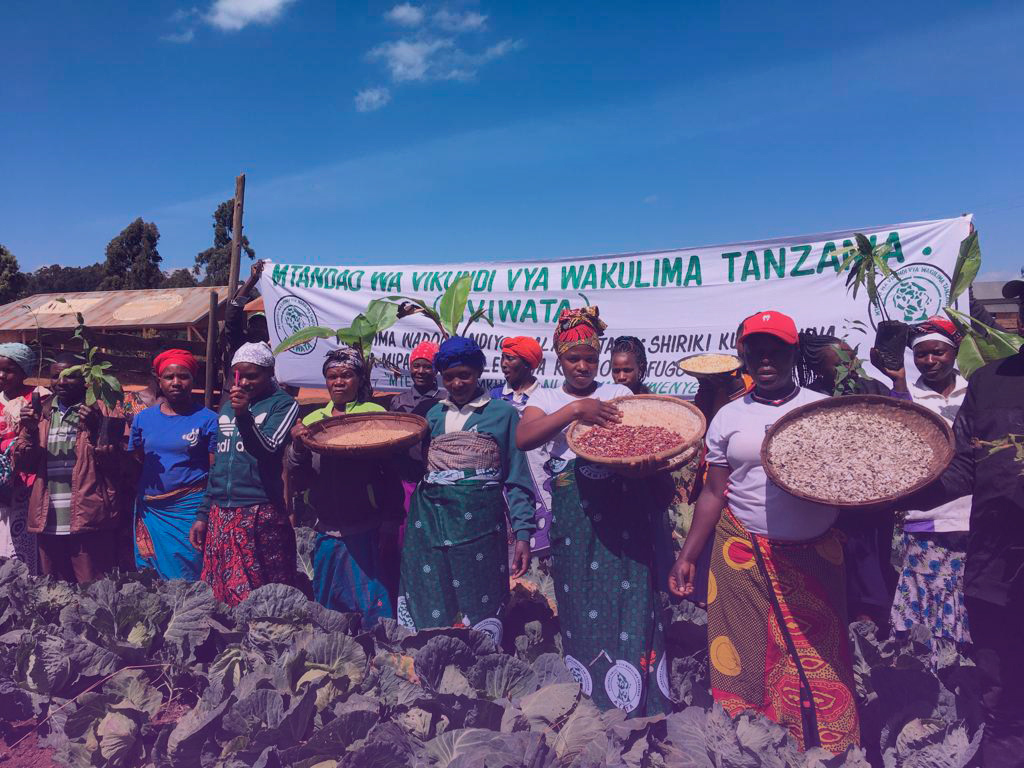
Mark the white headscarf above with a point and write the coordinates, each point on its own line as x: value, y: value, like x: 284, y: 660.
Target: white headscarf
x: 255, y: 352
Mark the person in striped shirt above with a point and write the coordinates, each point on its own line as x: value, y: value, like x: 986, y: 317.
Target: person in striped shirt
x: 77, y: 497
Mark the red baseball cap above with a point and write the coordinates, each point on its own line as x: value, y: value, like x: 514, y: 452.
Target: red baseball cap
x: 773, y: 323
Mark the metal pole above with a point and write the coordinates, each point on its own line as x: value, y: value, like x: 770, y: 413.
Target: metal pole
x: 236, y: 234
x: 211, y: 350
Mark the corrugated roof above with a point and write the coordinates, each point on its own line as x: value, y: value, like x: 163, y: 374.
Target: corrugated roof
x: 155, y: 308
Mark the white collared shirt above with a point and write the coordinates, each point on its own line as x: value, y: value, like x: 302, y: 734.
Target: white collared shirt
x: 519, y: 397
x: 455, y: 417
x: 953, y: 515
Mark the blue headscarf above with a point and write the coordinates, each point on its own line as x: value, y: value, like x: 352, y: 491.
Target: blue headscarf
x: 459, y: 350
x: 21, y: 354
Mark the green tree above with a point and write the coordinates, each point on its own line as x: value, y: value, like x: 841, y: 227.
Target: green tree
x: 57, y: 279
x: 132, y: 258
x: 179, y: 278
x: 12, y: 279
x: 215, y: 263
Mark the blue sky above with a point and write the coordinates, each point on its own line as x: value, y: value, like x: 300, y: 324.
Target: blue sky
x: 418, y: 132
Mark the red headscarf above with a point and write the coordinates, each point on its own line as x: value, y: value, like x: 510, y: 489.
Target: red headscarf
x: 176, y: 357
x: 579, y: 326
x: 525, y: 348
x: 425, y: 350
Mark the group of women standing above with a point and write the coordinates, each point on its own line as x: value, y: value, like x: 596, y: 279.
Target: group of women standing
x: 433, y: 537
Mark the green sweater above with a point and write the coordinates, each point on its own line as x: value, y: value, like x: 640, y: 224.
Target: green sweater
x: 499, y: 419
x: 247, y: 469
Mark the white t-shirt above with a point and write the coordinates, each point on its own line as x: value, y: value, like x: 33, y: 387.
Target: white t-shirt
x: 734, y: 440
x: 550, y: 400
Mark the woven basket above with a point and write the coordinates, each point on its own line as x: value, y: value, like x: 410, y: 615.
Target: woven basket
x: 647, y: 411
x: 930, y: 426
x: 408, y: 429
x: 685, y: 364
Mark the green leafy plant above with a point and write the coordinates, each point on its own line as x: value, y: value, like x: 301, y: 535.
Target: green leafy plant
x: 100, y: 386
x: 450, y: 308
x: 867, y: 265
x: 848, y: 372
x: 981, y: 344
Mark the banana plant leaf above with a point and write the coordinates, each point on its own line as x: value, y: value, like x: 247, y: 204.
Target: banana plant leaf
x: 981, y: 344
x: 306, y: 334
x: 453, y: 304
x: 968, y: 263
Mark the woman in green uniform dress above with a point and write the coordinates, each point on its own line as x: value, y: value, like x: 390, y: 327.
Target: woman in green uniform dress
x: 603, y: 536
x: 455, y: 555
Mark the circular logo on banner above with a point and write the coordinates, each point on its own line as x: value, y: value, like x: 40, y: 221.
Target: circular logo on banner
x: 580, y: 674
x: 912, y: 294
x: 624, y: 685
x: 291, y: 315
x: 492, y: 627
x: 662, y: 677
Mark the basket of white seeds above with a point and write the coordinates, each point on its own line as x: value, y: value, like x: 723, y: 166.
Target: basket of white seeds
x: 857, y: 450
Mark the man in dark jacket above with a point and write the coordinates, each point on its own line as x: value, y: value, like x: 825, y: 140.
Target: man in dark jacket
x: 77, y: 498
x: 989, y: 463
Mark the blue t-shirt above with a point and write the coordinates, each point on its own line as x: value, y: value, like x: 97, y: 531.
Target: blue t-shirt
x: 177, y: 448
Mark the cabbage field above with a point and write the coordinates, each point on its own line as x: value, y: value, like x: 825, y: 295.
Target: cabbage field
x: 133, y: 671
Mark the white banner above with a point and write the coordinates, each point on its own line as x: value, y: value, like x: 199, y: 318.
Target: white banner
x: 679, y: 302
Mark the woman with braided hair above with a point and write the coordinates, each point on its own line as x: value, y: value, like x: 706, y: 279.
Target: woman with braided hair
x: 604, y: 531
x: 629, y: 364
x: 357, y: 501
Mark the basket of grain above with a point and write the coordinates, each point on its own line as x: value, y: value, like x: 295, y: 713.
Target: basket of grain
x: 654, y: 428
x: 709, y: 364
x: 857, y: 450
x: 365, y: 435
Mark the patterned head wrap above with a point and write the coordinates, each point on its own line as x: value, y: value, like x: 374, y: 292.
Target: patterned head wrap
x: 180, y: 357
x: 425, y: 350
x: 459, y: 350
x: 579, y: 326
x: 525, y: 348
x: 351, y: 359
x: 255, y: 352
x: 633, y: 346
x: 935, y: 328
x: 21, y: 354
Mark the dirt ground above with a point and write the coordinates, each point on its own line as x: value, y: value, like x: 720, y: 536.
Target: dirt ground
x: 27, y: 754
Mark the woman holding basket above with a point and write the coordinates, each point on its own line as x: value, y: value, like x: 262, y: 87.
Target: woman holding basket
x: 776, y: 594
x: 603, y: 536
x: 455, y: 556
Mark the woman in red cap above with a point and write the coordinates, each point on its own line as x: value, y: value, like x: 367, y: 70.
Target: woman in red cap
x: 520, y: 357
x: 604, y: 534
x: 174, y: 441
x: 776, y: 599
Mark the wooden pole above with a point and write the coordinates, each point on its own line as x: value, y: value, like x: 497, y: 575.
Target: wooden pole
x: 212, y: 364
x: 236, y: 234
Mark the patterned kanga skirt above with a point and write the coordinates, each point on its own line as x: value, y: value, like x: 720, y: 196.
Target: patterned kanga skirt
x: 603, y: 537
x: 247, y: 547
x: 454, y: 558
x: 777, y: 636
x: 931, y: 586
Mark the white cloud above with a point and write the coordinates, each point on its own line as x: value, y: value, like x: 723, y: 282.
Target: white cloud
x: 651, y: 199
x: 371, y: 99
x: 459, y: 22
x: 436, y: 59
x: 406, y: 14
x: 410, y: 59
x: 185, y: 36
x: 233, y: 15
